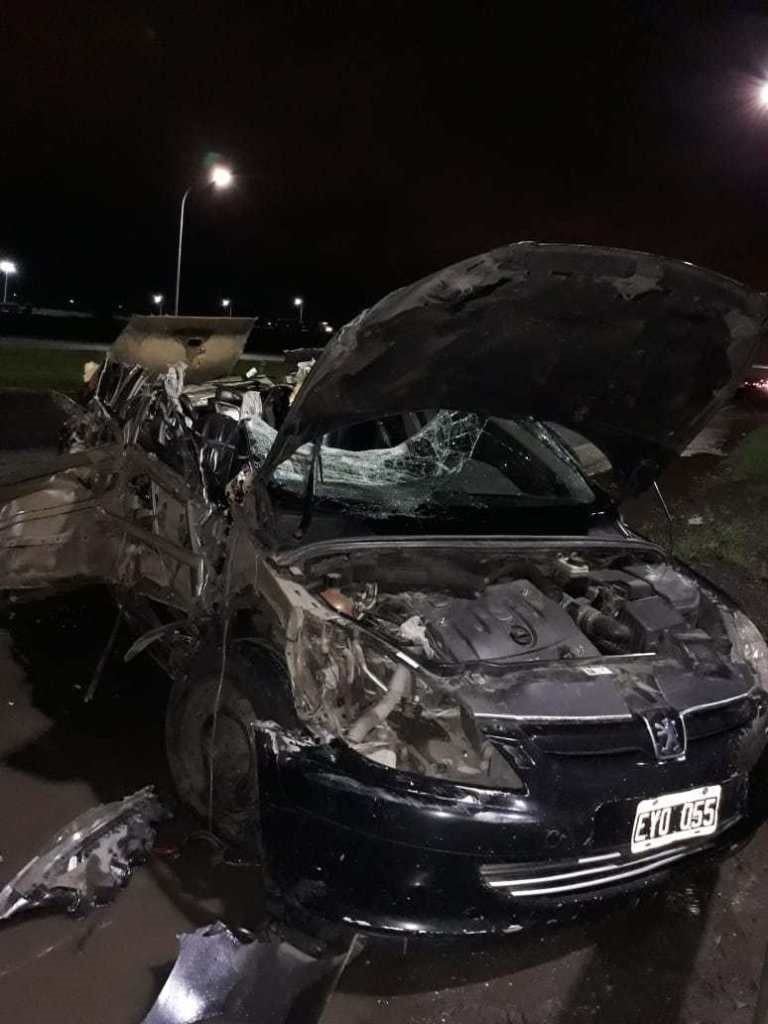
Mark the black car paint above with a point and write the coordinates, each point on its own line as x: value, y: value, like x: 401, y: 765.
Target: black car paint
x: 632, y: 350
x: 348, y: 840
x: 345, y: 839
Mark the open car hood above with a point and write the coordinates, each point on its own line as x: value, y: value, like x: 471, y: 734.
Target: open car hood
x: 631, y: 350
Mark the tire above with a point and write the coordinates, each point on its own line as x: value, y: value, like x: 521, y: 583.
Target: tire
x: 255, y: 688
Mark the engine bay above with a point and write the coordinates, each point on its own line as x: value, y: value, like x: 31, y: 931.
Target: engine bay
x: 399, y: 684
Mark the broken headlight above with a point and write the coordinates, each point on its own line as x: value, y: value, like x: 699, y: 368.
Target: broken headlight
x: 750, y: 646
x: 388, y: 709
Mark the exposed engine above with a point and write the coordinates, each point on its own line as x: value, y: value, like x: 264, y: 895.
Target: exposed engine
x: 574, y: 611
x: 409, y: 669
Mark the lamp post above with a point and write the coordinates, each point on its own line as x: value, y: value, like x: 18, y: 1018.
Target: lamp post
x: 299, y: 304
x: 227, y: 305
x: 220, y: 177
x: 8, y: 267
x: 158, y: 300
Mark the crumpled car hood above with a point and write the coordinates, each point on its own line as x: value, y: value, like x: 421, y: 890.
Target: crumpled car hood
x: 208, y: 346
x: 633, y: 351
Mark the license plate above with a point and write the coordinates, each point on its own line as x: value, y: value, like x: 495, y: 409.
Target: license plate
x: 675, y: 817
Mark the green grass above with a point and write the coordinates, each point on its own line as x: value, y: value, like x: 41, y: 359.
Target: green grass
x: 718, y: 514
x: 44, y: 369
x: 750, y: 460
x: 62, y: 369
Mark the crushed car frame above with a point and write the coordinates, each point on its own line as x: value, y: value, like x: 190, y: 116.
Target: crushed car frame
x: 421, y: 667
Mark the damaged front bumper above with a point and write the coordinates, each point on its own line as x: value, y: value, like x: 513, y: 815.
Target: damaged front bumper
x: 384, y: 852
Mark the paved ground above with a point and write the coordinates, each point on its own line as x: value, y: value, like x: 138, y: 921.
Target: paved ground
x: 690, y: 955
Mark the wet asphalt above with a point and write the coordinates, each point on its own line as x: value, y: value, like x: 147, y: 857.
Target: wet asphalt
x: 691, y: 953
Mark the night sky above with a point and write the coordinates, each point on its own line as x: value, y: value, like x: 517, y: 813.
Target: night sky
x: 377, y: 142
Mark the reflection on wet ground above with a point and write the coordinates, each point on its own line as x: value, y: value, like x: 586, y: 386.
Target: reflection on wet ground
x: 689, y: 954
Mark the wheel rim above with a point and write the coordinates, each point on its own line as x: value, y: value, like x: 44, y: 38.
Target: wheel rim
x: 228, y: 758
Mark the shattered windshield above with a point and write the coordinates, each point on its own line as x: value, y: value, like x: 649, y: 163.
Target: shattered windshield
x: 423, y: 462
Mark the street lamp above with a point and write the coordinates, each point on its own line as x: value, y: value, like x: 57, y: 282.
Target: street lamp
x: 220, y: 177
x: 158, y: 300
x: 8, y: 267
x: 227, y: 304
x: 299, y: 304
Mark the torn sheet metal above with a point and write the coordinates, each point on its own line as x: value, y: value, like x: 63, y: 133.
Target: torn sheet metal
x: 209, y: 347
x: 94, y: 855
x: 220, y: 975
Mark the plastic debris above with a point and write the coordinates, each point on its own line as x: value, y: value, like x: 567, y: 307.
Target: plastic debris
x: 93, y: 856
x: 228, y: 976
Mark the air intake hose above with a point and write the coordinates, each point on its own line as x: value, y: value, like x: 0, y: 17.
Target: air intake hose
x: 609, y: 635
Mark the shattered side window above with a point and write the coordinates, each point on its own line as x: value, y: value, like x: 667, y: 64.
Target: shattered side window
x: 434, y: 459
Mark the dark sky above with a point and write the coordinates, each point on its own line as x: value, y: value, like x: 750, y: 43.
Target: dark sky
x: 378, y: 141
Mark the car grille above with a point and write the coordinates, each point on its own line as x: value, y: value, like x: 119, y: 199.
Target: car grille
x: 601, y: 739
x: 577, y: 875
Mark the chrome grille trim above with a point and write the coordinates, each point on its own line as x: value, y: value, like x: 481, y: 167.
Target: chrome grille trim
x: 539, y: 884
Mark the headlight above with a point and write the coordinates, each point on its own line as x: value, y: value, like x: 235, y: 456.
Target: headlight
x: 386, y: 708
x: 749, y: 646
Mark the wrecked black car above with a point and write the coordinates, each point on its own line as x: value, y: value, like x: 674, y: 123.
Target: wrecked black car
x: 421, y: 667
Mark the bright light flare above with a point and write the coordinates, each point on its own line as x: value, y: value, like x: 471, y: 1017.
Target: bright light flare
x: 762, y: 95
x: 157, y: 299
x: 298, y: 301
x: 8, y: 267
x: 225, y: 303
x: 221, y: 176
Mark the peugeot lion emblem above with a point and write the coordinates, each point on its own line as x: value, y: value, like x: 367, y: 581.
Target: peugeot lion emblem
x: 667, y: 733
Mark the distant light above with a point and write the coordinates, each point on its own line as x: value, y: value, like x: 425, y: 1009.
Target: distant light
x: 71, y: 302
x: 221, y: 176
x: 8, y: 266
x: 328, y: 329
x: 762, y: 95
x: 157, y: 299
x: 298, y: 301
x: 225, y: 303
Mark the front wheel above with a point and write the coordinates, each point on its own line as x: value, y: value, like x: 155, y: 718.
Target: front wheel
x: 211, y: 724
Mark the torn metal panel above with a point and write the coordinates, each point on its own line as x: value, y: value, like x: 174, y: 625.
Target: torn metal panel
x: 634, y: 351
x: 88, y: 860
x: 208, y: 347
x: 220, y: 975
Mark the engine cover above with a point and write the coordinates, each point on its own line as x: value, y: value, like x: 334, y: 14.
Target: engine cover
x: 508, y: 622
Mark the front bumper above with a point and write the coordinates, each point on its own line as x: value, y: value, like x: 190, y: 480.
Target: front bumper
x: 342, y: 848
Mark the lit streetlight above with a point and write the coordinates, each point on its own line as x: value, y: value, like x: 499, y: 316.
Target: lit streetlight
x: 299, y: 304
x: 158, y: 300
x: 227, y: 304
x: 220, y: 177
x: 8, y: 267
